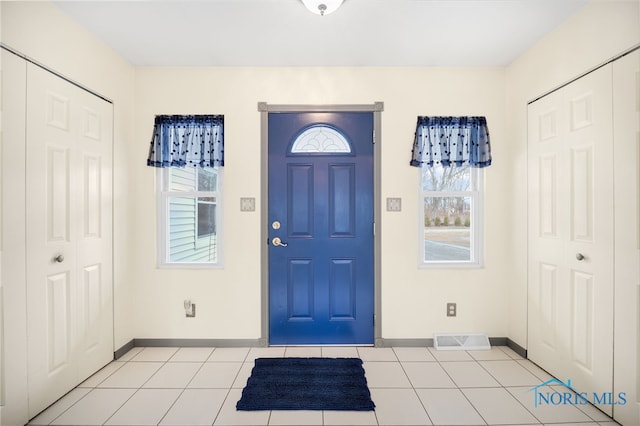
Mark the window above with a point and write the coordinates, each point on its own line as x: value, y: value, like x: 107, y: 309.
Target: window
x: 450, y: 219
x: 189, y: 219
x: 321, y: 139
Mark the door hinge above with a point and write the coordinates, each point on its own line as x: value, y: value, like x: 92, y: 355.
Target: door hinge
x: 374, y: 229
x: 374, y: 137
x: 374, y: 320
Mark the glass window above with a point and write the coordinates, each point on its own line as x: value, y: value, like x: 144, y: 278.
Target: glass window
x: 450, y: 219
x: 190, y: 217
x: 321, y: 139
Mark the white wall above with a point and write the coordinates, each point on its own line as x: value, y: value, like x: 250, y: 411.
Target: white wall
x: 40, y: 31
x: 603, y: 29
x: 228, y: 300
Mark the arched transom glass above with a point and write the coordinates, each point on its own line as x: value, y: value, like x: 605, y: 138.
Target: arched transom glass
x: 321, y: 139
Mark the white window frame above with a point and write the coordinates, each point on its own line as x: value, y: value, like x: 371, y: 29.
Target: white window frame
x: 163, y: 221
x: 477, y: 222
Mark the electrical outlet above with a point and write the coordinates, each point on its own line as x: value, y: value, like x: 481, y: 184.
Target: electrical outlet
x: 452, y: 309
x: 192, y: 314
x: 189, y: 309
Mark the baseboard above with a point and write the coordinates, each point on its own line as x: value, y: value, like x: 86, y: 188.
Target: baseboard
x: 119, y: 353
x: 239, y: 343
x: 188, y: 343
x: 517, y: 348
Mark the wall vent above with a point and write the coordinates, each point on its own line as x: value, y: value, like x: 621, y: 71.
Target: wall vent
x: 461, y: 341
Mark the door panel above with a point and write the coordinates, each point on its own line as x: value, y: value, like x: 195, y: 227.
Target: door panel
x: 68, y: 236
x: 321, y: 283
x: 571, y: 233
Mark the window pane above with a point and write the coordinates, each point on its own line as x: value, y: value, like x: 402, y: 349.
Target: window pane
x: 447, y: 229
x: 206, y: 217
x: 185, y: 241
x: 438, y: 178
x: 182, y: 179
x: 321, y: 139
x: 207, y: 180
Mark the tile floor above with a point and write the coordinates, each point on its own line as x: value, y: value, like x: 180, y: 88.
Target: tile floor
x: 410, y: 386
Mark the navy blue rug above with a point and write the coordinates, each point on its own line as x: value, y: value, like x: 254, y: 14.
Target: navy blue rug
x: 306, y: 384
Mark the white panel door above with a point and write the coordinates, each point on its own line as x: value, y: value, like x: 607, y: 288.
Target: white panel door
x: 68, y: 237
x: 571, y: 233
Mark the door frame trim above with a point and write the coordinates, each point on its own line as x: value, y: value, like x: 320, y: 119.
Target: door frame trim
x: 264, y: 108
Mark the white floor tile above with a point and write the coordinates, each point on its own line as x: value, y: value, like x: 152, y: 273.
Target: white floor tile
x: 512, y: 354
x: 385, y: 375
x: 399, y: 407
x: 510, y: 373
x: 350, y: 418
x: 228, y: 355
x: 413, y: 354
x: 377, y: 354
x: 576, y: 424
x: 230, y: 416
x: 594, y: 413
x: 191, y: 355
x: 130, y: 354
x: 215, y: 375
x: 243, y: 375
x: 449, y: 407
x: 50, y: 414
x: 95, y: 408
x: 303, y: 352
x: 296, y: 418
x: 145, y: 407
x: 408, y: 385
x: 339, y: 352
x: 155, y: 354
x: 101, y: 375
x: 494, y: 353
x: 173, y: 375
x: 450, y: 355
x: 548, y: 413
x: 427, y: 375
x: 195, y: 407
x: 498, y: 407
x: 535, y: 370
x: 273, y: 352
x: 131, y: 375
x: 469, y: 374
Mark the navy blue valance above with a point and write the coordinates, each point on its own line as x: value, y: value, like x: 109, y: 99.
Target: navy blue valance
x: 450, y: 141
x: 187, y: 140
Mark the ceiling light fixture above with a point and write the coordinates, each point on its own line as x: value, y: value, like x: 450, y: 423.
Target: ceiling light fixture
x: 322, y: 7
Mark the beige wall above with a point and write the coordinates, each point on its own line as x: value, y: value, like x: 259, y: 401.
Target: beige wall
x: 228, y: 300
x: 602, y: 30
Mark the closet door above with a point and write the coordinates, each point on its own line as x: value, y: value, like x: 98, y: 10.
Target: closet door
x: 68, y: 236
x: 570, y: 296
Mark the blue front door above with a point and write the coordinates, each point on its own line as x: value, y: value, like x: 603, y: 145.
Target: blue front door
x: 321, y: 272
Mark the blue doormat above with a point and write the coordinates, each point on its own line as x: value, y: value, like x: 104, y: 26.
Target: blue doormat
x: 306, y: 384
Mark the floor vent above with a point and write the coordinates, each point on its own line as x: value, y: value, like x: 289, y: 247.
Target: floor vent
x: 461, y: 341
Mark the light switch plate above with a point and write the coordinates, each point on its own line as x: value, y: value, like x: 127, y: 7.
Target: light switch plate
x: 394, y: 204
x: 247, y: 204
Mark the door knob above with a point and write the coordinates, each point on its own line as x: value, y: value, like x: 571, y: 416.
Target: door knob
x: 59, y: 258
x: 580, y: 257
x: 278, y: 242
